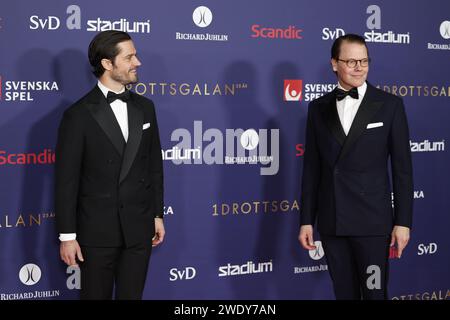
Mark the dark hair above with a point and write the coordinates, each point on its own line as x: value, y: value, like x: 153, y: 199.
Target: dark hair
x: 350, y: 37
x: 104, y: 46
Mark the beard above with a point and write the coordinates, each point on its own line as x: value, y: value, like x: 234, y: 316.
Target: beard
x: 124, y: 78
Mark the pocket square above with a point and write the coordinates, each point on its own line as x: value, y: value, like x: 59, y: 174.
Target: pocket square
x: 374, y: 125
x: 146, y: 126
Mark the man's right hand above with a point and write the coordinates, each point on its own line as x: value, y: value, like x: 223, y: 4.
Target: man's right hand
x: 69, y: 250
x: 306, y: 237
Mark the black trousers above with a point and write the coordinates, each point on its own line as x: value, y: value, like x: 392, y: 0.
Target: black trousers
x: 123, y: 270
x: 359, y: 266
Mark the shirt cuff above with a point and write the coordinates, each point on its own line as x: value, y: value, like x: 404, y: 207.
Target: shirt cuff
x: 67, y: 236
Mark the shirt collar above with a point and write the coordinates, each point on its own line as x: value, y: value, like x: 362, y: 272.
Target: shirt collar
x: 361, y: 89
x: 105, y: 89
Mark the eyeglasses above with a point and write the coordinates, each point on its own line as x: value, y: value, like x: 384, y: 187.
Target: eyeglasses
x: 351, y: 63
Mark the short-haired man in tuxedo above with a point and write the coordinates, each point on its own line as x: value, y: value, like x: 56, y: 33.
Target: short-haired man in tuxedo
x: 353, y: 133
x: 109, y: 177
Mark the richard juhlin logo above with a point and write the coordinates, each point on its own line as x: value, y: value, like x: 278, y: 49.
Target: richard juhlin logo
x: 30, y: 274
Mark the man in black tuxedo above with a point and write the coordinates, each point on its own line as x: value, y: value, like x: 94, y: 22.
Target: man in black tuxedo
x: 109, y: 177
x: 351, y: 134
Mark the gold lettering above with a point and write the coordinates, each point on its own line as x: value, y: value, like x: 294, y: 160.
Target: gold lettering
x: 256, y: 203
x: 173, y: 89
x: 163, y: 87
x: 229, y: 89
x: 265, y: 205
x: 152, y: 87
x: 249, y: 207
x: 140, y: 85
x: 20, y: 221
x: 235, y: 208
x: 284, y: 205
x: 295, y: 205
x: 184, y: 89
x: 196, y: 90
x: 434, y: 91
x: 224, y: 205
x: 217, y: 89
x: 403, y: 91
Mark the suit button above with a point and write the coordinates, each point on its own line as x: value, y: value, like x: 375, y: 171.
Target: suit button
x: 141, y: 181
x: 110, y: 161
x: 336, y: 171
x: 121, y: 206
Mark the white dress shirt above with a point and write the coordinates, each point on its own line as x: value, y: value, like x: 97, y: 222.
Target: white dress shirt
x: 348, y: 107
x: 121, y: 112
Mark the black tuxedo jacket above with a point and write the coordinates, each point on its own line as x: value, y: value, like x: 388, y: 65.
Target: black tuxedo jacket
x: 346, y: 184
x: 108, y: 191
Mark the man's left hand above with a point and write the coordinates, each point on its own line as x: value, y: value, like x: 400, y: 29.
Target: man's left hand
x: 159, y: 232
x: 400, y: 238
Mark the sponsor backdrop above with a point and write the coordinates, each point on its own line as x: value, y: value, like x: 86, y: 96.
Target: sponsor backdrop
x: 231, y: 82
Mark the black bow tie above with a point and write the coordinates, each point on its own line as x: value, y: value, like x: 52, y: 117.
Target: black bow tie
x: 341, y: 94
x: 124, y: 96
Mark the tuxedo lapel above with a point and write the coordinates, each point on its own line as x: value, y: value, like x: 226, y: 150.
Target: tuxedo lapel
x: 368, y: 108
x: 330, y: 114
x: 135, y: 121
x: 103, y: 114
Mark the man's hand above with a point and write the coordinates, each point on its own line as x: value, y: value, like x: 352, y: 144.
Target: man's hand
x: 400, y: 237
x: 306, y: 237
x: 69, y: 250
x: 159, y: 232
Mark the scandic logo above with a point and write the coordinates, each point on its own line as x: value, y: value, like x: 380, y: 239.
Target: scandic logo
x: 292, y: 90
x: 291, y: 32
x: 44, y: 157
x: 300, y: 150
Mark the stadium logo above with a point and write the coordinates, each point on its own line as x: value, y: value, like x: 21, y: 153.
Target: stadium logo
x: 248, y: 268
x: 374, y: 23
x: 427, y: 146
